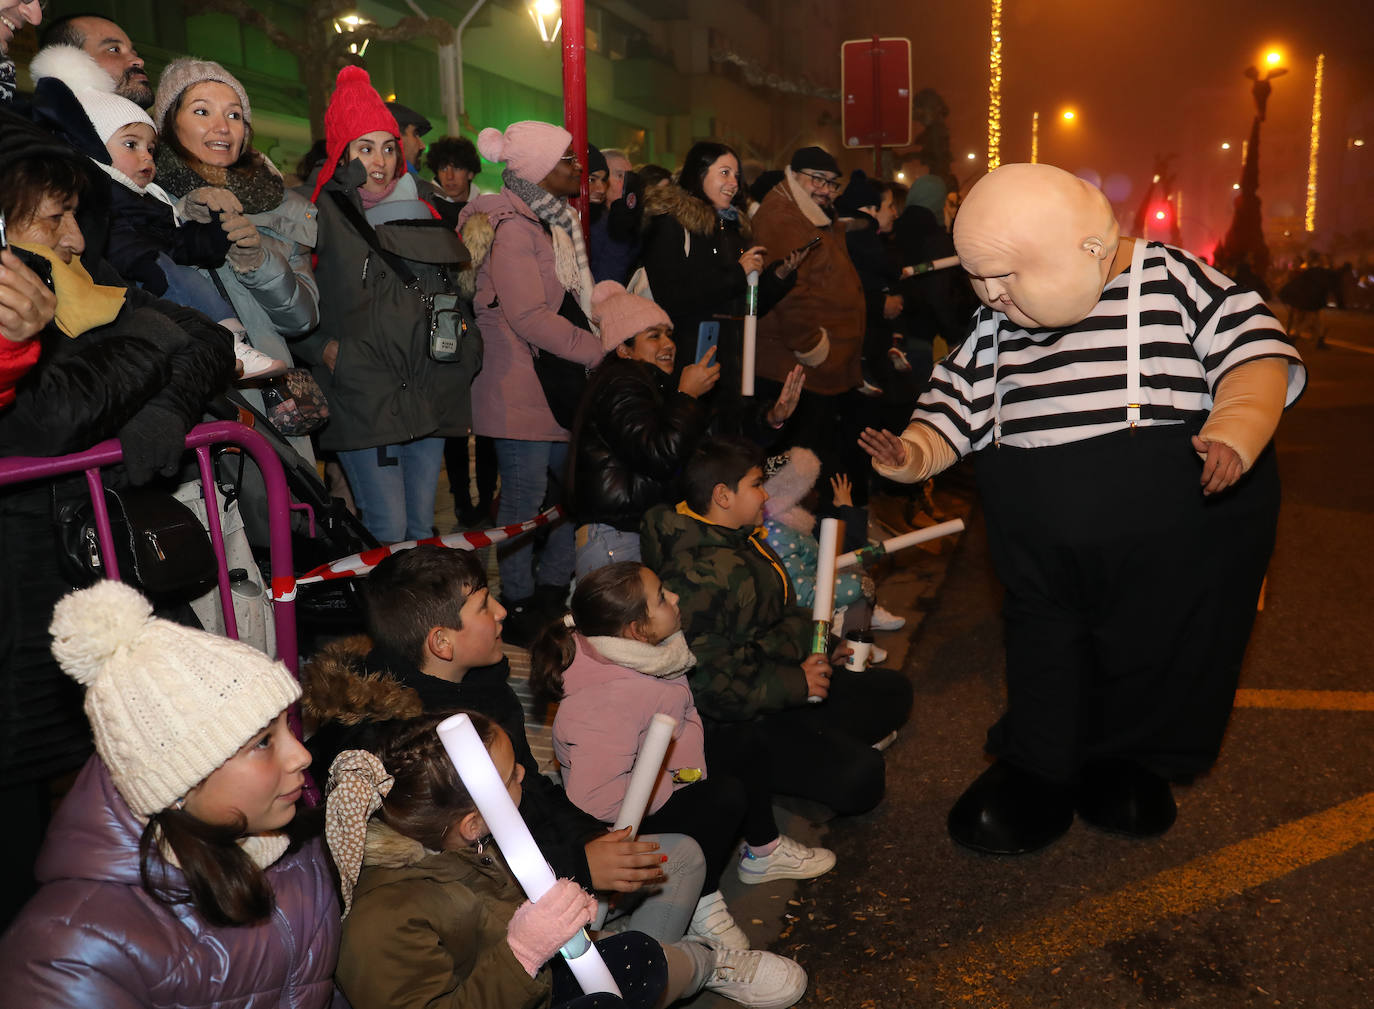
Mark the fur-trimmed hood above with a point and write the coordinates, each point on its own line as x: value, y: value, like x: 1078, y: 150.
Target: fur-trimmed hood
x: 336, y: 687
x: 385, y: 848
x: 477, y: 226
x: 696, y: 216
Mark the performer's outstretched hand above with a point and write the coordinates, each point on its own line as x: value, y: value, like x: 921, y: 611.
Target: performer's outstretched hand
x: 884, y: 446
x: 1221, y: 465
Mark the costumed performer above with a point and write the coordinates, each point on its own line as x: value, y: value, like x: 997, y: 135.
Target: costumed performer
x: 1119, y: 397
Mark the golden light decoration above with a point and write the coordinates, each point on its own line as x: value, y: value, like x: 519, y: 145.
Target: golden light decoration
x: 1225, y: 145
x: 1069, y: 115
x: 1310, y: 219
x: 1035, y: 138
x: 1273, y: 57
x: 995, y: 89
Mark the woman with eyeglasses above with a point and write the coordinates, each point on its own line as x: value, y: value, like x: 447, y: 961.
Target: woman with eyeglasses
x: 533, y: 288
x: 820, y: 323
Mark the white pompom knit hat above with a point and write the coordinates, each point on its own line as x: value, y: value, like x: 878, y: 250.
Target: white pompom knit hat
x: 167, y: 704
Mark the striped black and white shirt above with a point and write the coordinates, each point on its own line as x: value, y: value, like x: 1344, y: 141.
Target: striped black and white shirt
x: 1064, y: 385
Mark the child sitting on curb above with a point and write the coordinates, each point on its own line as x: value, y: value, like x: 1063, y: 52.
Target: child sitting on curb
x: 755, y: 664
x: 616, y: 660
x: 436, y: 646
x: 433, y: 917
x: 791, y: 532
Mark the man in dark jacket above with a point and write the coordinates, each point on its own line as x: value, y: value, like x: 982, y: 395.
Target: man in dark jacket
x: 756, y: 674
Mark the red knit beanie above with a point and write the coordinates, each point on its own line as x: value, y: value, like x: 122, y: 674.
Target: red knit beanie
x: 355, y: 110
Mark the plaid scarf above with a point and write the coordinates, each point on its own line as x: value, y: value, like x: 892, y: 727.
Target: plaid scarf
x: 570, y: 252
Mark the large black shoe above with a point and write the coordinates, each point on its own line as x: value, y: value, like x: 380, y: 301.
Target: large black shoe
x: 1122, y: 797
x: 1011, y: 811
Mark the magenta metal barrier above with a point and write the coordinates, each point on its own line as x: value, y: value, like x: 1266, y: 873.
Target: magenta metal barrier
x: 202, y: 437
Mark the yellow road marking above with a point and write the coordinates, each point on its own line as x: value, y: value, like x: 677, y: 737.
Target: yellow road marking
x: 1307, y: 700
x: 1346, y: 345
x: 1204, y: 882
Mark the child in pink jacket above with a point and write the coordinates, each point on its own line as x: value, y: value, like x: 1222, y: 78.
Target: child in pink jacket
x: 617, y: 659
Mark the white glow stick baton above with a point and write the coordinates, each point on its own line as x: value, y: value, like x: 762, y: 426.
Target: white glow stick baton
x: 870, y: 553
x: 751, y: 335
x: 823, y: 608
x: 645, y: 774
x: 469, y: 755
x: 934, y: 264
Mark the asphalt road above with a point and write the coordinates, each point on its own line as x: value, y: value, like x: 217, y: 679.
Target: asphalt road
x: 1260, y: 895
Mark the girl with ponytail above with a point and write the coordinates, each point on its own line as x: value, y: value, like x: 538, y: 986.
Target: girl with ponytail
x: 618, y: 658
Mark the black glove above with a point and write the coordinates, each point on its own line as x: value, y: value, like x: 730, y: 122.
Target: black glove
x: 153, y: 442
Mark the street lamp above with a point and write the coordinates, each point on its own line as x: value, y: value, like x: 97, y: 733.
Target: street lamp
x: 548, y: 19
x: 348, y: 24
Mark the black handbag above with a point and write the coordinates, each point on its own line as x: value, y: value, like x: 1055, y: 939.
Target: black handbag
x: 160, y: 545
x: 563, y: 381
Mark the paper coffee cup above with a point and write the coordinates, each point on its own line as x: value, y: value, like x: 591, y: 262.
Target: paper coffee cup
x: 860, y: 647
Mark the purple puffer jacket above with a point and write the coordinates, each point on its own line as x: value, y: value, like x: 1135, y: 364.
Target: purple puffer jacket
x: 93, y: 937
x: 516, y: 304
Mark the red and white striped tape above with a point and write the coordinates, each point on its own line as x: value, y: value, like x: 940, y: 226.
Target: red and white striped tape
x: 361, y: 564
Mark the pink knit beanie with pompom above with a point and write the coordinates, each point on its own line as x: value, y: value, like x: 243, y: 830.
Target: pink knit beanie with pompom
x: 530, y: 149
x: 621, y: 315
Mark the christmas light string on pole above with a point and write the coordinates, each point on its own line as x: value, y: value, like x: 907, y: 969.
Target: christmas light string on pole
x: 995, y: 89
x: 1310, y: 220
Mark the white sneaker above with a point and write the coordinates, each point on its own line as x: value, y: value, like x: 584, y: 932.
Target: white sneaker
x: 753, y: 977
x: 877, y: 656
x: 713, y: 924
x: 883, y: 620
x: 886, y: 741
x: 255, y: 363
x: 789, y: 860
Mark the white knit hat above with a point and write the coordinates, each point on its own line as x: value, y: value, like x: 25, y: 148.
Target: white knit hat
x: 167, y: 704
x: 91, y: 86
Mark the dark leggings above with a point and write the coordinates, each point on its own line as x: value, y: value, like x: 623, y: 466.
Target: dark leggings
x: 634, y: 960
x: 456, y: 463
x: 713, y: 813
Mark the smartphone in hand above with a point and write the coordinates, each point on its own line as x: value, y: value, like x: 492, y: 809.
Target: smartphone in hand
x: 708, y: 336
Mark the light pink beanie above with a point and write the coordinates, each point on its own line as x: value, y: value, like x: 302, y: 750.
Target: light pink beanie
x: 620, y: 314
x: 530, y: 149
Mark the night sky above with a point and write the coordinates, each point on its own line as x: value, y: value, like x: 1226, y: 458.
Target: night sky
x: 1155, y: 77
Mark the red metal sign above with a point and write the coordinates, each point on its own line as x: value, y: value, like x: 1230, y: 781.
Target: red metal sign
x: 876, y: 83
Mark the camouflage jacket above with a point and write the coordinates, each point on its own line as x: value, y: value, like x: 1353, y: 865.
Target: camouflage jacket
x: 739, y: 613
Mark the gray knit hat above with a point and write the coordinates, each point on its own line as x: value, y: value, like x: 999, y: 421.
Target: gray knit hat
x: 184, y: 71
x: 167, y: 704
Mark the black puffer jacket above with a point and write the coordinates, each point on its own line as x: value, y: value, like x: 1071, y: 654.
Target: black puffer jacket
x: 691, y: 256
x: 634, y: 433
